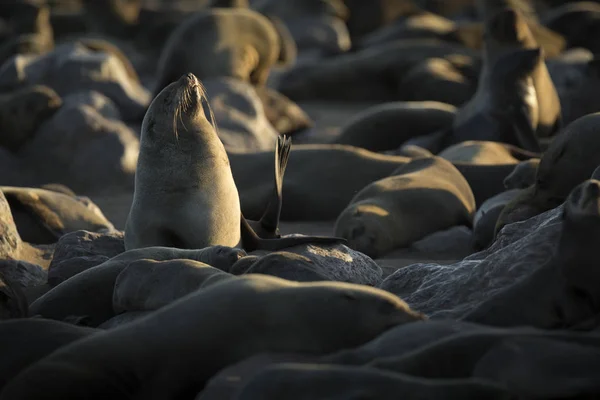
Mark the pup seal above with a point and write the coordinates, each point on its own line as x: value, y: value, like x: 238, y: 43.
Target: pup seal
x: 185, y: 195
x: 275, y: 316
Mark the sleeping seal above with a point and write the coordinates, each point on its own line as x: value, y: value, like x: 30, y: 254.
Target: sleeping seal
x: 172, y: 353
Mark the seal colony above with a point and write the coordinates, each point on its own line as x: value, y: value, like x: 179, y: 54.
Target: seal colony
x: 441, y: 197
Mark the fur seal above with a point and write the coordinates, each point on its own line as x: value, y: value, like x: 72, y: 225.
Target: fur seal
x: 241, y: 43
x: 441, y: 79
x: 285, y: 115
x: 317, y: 26
x: 115, y: 17
x: 577, y: 22
x: 566, y: 288
x: 523, y: 175
x: 507, y: 113
x: 570, y: 159
x: 388, y: 126
x: 365, y: 18
x: 43, y: 216
x: 26, y: 341
x: 317, y: 185
x: 93, y: 288
x: 23, y: 111
x: 373, y: 74
x: 508, y: 30
x: 147, y: 285
x: 272, y: 313
x: 486, y: 217
x: 396, y: 211
x: 183, y: 172
x: 552, y: 42
x: 485, y: 153
x: 340, y: 382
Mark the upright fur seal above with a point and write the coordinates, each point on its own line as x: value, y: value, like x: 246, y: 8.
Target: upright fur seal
x: 172, y: 353
x: 508, y: 30
x: 507, y: 112
x: 185, y: 195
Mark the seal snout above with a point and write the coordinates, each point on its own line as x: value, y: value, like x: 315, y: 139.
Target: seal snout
x: 189, y: 80
x: 584, y: 200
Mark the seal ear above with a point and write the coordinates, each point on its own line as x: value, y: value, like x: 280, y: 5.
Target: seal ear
x: 596, y: 174
x: 288, y: 51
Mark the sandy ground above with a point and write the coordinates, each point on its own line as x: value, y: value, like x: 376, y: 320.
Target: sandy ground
x: 329, y: 118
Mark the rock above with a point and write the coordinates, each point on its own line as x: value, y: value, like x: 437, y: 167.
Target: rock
x: 73, y: 67
x: 453, y: 290
x: 78, y: 251
x: 306, y: 263
x: 239, y: 115
x: 83, y: 150
x: 13, y: 248
x: 23, y: 111
x: 22, y: 273
x: 99, y: 102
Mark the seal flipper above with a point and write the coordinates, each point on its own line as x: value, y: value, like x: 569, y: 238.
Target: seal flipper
x: 251, y: 241
x: 268, y: 225
x: 524, y: 131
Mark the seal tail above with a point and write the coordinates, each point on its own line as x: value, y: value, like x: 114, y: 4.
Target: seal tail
x: 251, y: 241
x: 269, y: 222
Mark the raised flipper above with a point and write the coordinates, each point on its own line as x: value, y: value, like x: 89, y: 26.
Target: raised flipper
x: 264, y: 234
x: 268, y: 225
x: 251, y: 241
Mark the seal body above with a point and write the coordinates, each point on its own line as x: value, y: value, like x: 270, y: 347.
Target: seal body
x: 239, y: 43
x: 185, y: 195
x: 183, y: 177
x: 420, y: 198
x: 275, y: 315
